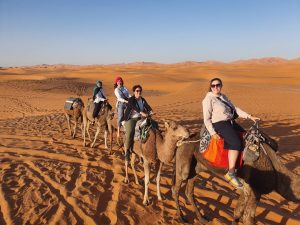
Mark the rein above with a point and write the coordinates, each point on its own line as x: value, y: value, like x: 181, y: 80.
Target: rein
x: 180, y: 142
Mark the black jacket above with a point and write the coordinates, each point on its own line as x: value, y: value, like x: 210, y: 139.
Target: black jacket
x: 133, y: 105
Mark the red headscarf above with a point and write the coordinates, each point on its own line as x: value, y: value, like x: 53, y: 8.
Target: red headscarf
x: 118, y: 79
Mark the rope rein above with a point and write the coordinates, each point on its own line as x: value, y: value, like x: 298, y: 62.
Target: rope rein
x: 179, y: 143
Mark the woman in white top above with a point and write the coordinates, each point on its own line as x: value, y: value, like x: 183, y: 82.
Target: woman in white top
x: 122, y: 95
x: 219, y: 116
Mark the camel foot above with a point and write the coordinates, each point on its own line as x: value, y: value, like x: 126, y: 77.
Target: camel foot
x: 182, y: 219
x: 203, y: 219
x: 146, y: 202
x: 126, y: 180
x: 92, y: 145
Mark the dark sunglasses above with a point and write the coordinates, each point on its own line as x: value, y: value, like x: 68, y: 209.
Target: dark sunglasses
x: 215, y: 85
x: 138, y: 90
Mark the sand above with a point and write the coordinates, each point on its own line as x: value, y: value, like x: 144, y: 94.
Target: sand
x: 48, y: 178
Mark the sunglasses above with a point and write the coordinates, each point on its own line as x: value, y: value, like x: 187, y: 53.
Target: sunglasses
x: 138, y: 90
x: 215, y: 85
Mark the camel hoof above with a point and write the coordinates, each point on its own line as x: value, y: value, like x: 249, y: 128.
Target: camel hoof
x: 146, y: 202
x: 126, y: 181
x: 92, y: 145
x: 203, y: 220
x: 182, y: 219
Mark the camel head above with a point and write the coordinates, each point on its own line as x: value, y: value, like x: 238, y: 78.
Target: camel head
x: 176, y: 131
x: 78, y: 104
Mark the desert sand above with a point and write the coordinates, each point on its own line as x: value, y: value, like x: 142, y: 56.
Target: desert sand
x: 49, y: 178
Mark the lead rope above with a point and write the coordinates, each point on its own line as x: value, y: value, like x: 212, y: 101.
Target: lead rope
x: 180, y: 142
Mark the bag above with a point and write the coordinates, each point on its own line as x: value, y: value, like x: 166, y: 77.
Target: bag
x: 211, y: 152
x: 204, y: 138
x: 217, y: 155
x: 69, y: 103
x: 233, y: 111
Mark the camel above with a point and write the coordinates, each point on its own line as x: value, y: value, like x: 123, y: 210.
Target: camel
x: 75, y: 113
x: 104, y: 121
x: 262, y: 176
x: 157, y: 149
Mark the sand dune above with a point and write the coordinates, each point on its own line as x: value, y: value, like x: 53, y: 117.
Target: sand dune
x: 49, y: 178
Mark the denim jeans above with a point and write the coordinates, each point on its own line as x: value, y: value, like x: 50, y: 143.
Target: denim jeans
x: 120, y: 110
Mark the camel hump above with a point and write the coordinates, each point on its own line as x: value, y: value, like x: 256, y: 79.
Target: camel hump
x: 69, y: 103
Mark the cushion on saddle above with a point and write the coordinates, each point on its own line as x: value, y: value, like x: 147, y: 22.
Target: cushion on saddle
x: 217, y: 155
x: 69, y: 103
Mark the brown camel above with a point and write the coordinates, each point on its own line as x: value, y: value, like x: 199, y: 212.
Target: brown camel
x: 262, y: 176
x: 157, y: 149
x: 75, y: 113
x: 104, y: 121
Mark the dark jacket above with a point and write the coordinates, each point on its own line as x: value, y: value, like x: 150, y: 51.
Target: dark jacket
x: 133, y: 105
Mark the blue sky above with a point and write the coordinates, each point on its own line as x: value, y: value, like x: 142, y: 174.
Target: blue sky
x: 168, y: 31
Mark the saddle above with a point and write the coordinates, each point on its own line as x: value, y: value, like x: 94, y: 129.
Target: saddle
x: 217, y: 155
x: 70, y: 103
x: 142, y: 129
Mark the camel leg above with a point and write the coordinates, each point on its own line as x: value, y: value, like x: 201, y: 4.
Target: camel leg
x: 105, y: 139
x: 132, y: 162
x: 175, y: 194
x: 96, y: 135
x: 250, y: 208
x: 84, y: 129
x: 118, y: 136
x: 147, y: 181
x: 189, y: 192
x: 158, y: 181
x: 239, y: 210
x: 88, y: 130
x: 110, y: 130
x: 81, y: 127
x: 127, y: 158
x: 68, y: 122
x: 75, y: 127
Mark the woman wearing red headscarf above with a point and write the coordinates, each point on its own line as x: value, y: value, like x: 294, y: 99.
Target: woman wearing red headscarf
x: 122, y: 95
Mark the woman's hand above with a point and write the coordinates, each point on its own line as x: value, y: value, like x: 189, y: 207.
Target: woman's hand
x: 143, y: 114
x: 216, y: 136
x: 253, y: 118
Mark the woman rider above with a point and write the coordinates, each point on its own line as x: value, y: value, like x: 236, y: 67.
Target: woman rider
x: 122, y: 95
x: 137, y: 107
x: 219, y: 116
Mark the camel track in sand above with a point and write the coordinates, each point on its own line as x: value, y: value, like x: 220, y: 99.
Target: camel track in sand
x: 47, y: 178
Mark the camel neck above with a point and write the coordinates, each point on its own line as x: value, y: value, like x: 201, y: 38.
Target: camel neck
x: 166, y: 148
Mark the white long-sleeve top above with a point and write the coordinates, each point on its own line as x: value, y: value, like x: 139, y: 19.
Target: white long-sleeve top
x: 121, y: 93
x: 100, y: 97
x: 215, y: 110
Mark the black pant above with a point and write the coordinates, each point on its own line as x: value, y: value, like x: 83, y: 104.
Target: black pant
x: 97, y: 109
x: 229, y: 130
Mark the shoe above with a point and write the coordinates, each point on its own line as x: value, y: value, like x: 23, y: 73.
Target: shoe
x: 233, y: 180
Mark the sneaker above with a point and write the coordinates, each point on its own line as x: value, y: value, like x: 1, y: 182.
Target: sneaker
x: 233, y: 180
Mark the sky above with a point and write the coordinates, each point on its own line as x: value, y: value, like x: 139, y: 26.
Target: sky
x: 85, y: 32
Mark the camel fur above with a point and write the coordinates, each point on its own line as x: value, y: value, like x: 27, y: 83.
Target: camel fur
x: 157, y: 149
x: 263, y: 176
x: 76, y: 114
x: 103, y: 122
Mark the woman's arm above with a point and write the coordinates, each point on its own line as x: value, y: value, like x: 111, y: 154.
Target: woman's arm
x: 119, y: 95
x: 207, y: 114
